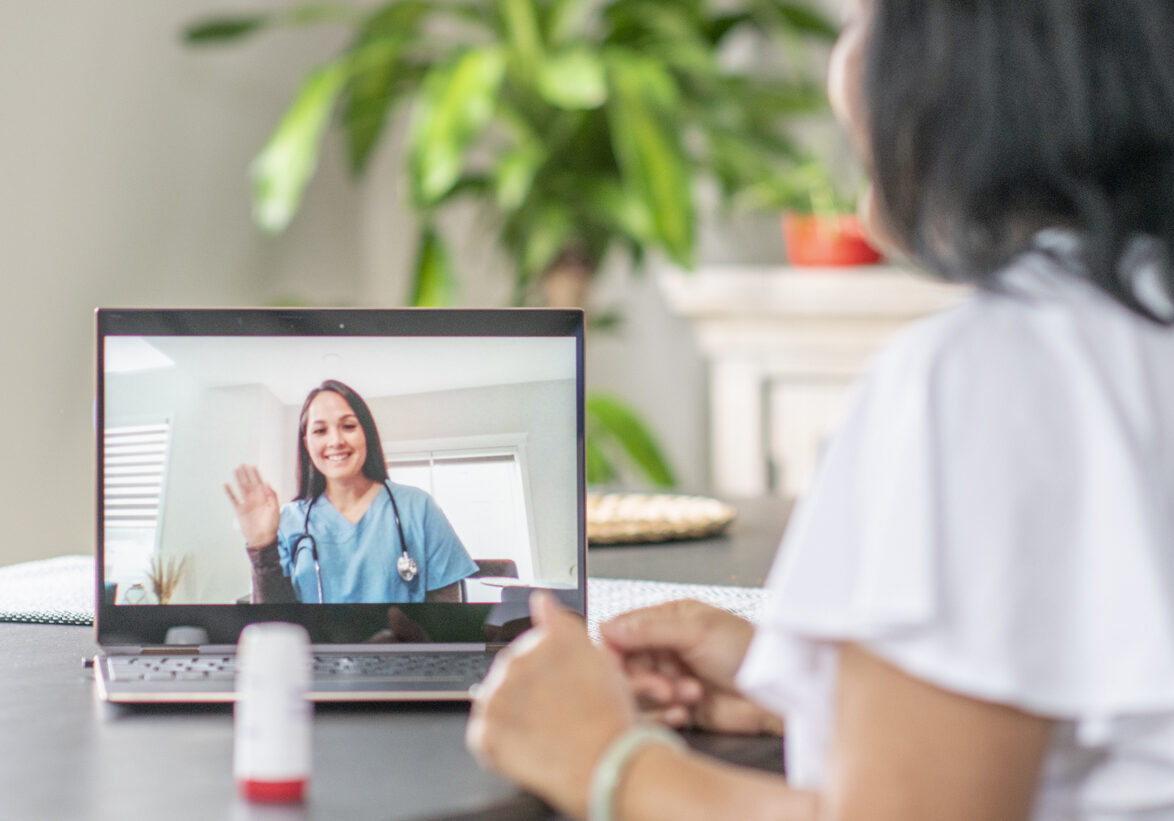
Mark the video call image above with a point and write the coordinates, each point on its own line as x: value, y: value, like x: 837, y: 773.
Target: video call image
x: 337, y: 469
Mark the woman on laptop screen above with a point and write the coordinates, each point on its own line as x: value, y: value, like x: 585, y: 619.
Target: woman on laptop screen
x: 350, y: 534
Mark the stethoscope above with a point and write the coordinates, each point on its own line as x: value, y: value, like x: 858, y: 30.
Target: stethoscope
x: 405, y: 564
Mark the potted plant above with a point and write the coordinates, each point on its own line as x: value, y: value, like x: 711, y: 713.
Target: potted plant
x: 164, y: 575
x: 582, y: 127
x: 820, y: 226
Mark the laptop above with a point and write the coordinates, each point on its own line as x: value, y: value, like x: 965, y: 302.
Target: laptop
x: 477, y: 417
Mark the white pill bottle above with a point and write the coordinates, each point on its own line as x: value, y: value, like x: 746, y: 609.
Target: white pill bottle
x: 273, y: 717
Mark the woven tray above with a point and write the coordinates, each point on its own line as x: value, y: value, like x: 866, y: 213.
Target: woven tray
x: 636, y: 518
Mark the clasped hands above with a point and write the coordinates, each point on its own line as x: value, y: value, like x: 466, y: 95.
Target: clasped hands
x: 553, y: 701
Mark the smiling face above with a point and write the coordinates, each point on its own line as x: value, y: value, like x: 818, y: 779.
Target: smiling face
x: 334, y: 438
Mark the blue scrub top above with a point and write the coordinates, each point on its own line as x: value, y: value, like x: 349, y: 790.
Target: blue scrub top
x: 358, y: 560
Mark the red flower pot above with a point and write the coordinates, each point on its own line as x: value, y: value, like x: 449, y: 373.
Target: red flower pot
x: 826, y: 240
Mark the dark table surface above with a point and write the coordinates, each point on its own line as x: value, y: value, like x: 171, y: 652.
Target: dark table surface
x: 66, y: 755
x: 741, y: 557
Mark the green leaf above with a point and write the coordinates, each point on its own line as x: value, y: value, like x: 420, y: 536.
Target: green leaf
x: 565, y: 19
x: 523, y: 31
x: 223, y: 29
x: 474, y: 186
x: 620, y: 210
x: 573, y: 79
x: 605, y: 321
x: 720, y: 26
x: 514, y: 174
x: 286, y: 163
x: 477, y: 12
x: 646, y: 138
x: 546, y: 233
x: 635, y: 22
x: 691, y: 59
x: 600, y: 469
x: 379, y: 77
x: 364, y: 112
x: 380, y: 74
x: 434, y: 284
x: 803, y: 19
x: 396, y: 20
x: 613, y: 423
x: 457, y: 101
x: 235, y: 27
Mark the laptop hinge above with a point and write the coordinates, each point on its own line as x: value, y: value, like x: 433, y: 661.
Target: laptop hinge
x: 170, y: 650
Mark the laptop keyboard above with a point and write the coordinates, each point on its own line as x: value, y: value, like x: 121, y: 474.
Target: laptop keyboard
x: 401, y: 666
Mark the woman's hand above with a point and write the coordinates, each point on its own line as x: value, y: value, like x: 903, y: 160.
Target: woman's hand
x: 257, y: 509
x: 550, y: 705
x: 681, y: 658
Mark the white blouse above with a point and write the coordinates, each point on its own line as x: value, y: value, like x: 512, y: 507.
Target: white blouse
x: 996, y: 517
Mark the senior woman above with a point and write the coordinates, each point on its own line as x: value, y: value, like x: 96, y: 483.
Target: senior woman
x: 973, y: 610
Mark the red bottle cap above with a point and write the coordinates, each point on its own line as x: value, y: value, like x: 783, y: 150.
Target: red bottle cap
x: 273, y: 792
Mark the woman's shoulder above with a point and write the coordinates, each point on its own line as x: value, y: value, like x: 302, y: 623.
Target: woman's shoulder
x: 1045, y: 324
x: 298, y: 505
x: 292, y: 513
x: 981, y: 319
x: 407, y: 495
x: 985, y: 342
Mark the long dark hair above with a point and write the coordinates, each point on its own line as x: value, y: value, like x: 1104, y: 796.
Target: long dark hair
x: 989, y: 120
x: 311, y: 482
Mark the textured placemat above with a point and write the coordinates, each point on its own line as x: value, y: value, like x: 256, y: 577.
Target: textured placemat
x: 61, y: 591
x: 607, y: 598
x: 50, y: 591
x: 640, y: 518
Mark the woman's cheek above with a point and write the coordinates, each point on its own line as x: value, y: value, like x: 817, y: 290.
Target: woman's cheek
x: 873, y: 224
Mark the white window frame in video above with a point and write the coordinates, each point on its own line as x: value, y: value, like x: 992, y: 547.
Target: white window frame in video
x: 134, y: 471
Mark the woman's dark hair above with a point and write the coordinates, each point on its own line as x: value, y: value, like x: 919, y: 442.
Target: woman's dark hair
x: 311, y: 482
x: 992, y: 119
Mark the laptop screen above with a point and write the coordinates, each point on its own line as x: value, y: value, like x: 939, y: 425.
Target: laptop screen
x: 342, y: 469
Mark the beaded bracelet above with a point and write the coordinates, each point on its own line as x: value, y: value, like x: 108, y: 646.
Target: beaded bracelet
x: 614, y: 761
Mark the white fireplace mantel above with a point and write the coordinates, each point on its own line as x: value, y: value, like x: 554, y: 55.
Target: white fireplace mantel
x: 783, y: 346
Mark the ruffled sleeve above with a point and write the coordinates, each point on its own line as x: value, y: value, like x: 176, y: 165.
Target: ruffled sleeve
x: 995, y: 518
